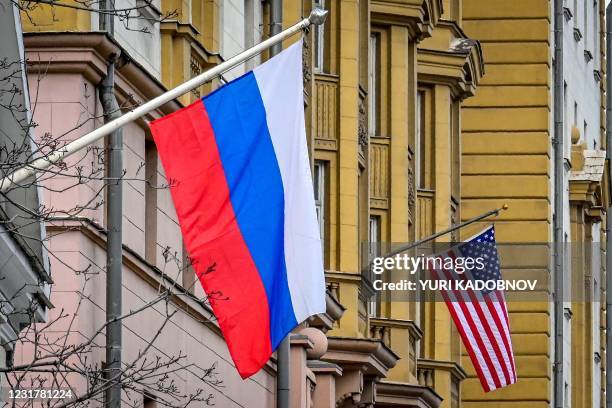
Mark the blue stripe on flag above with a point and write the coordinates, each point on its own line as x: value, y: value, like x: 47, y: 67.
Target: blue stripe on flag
x: 238, y: 119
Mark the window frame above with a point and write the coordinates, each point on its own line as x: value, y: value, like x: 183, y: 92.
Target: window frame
x: 374, y: 84
x: 319, y: 41
x: 319, y: 178
x: 374, y: 236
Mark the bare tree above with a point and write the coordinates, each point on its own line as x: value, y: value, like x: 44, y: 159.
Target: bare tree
x: 141, y: 10
x: 56, y: 355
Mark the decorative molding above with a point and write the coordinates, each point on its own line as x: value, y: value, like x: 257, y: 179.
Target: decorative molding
x: 411, y: 191
x: 372, y: 356
x: 402, y: 394
x: 419, y: 16
x: 306, y: 69
x: 363, y: 128
x: 450, y: 366
x: 460, y: 66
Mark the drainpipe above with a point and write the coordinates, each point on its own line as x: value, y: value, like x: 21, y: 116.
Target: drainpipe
x: 283, y: 351
x: 276, y: 24
x: 558, y: 219
x: 114, y: 200
x: 609, y: 209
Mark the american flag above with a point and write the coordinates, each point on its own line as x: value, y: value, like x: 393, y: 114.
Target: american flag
x: 481, y: 316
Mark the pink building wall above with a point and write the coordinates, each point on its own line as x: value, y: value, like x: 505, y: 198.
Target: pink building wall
x: 66, y: 97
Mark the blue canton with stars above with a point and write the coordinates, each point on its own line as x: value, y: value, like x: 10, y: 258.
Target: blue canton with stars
x: 483, y: 246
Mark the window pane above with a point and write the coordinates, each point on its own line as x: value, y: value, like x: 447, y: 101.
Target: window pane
x: 319, y: 193
x: 374, y: 238
x: 420, y: 129
x: 319, y: 40
x: 373, y: 84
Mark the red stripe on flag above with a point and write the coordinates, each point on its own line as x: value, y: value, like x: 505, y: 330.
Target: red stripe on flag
x: 466, y: 339
x: 501, y: 301
x: 474, y: 322
x: 188, y: 151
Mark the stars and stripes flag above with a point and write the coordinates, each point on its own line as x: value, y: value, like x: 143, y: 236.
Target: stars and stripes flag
x: 481, y: 316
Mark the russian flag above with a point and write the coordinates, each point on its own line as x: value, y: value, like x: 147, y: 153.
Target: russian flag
x: 238, y: 165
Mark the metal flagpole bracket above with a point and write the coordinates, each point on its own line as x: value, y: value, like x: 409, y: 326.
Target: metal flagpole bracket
x: 318, y: 16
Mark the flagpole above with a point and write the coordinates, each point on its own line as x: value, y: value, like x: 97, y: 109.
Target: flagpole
x: 407, y: 247
x: 317, y: 17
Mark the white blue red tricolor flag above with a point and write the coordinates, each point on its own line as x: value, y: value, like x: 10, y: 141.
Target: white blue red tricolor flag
x: 481, y: 316
x: 241, y: 184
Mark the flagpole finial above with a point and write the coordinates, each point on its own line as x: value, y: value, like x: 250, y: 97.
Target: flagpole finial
x: 318, y: 16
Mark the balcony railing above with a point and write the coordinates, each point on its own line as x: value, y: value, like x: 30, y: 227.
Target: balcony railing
x: 428, y: 370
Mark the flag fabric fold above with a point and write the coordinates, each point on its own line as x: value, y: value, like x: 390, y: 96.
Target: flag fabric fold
x: 237, y: 161
x: 481, y: 316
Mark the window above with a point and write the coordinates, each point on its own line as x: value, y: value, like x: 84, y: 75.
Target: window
x: 374, y: 83
x: 319, y: 193
x: 319, y: 40
x: 374, y: 238
x: 420, y: 139
x: 374, y: 249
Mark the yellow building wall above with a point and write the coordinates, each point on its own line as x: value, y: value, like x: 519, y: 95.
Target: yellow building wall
x: 505, y: 160
x: 40, y: 17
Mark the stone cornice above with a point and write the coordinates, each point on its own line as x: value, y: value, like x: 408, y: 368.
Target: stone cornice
x: 391, y: 393
x: 455, y: 369
x: 420, y: 16
x: 451, y: 59
x: 414, y: 330
x: 190, y: 33
x: 87, y: 54
x: 370, y: 356
x: 333, y: 312
x: 586, y: 180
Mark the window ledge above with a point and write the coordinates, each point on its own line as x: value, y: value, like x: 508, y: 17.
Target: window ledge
x: 597, y: 75
x: 577, y: 34
x: 567, y: 13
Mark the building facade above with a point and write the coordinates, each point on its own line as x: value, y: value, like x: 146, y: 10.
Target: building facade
x: 408, y: 136
x: 508, y: 158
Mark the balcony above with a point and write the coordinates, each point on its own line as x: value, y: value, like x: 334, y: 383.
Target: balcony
x: 398, y: 335
x: 428, y: 371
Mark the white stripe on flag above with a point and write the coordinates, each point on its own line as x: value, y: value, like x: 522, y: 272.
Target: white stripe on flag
x: 280, y: 84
